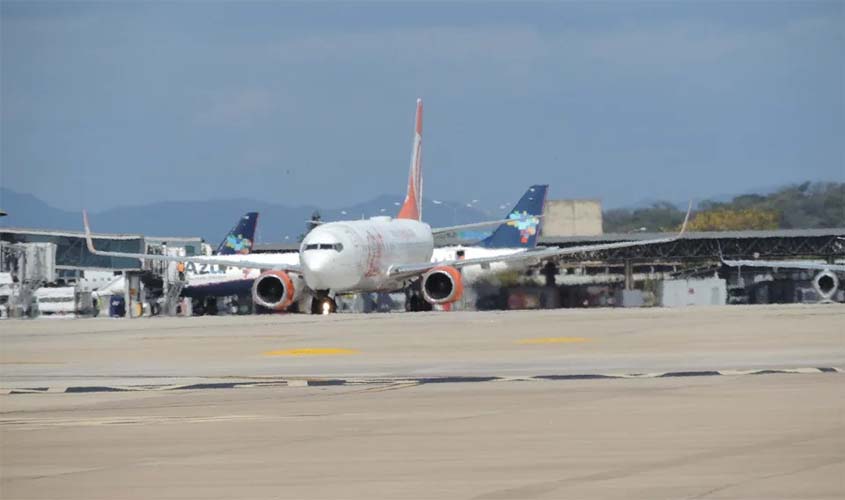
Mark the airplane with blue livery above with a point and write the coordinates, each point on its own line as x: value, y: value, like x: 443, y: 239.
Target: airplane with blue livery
x: 206, y: 282
x: 519, y: 230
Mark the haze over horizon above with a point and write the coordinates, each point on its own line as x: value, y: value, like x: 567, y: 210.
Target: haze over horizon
x: 107, y: 105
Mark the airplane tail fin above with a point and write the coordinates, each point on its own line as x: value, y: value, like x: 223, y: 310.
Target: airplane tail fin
x: 525, y: 223
x: 240, y: 238
x: 412, y: 208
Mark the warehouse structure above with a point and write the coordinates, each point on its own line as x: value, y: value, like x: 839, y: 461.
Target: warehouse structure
x: 698, y: 255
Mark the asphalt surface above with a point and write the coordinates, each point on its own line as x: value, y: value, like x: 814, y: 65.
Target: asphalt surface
x: 768, y: 435
x: 192, y: 350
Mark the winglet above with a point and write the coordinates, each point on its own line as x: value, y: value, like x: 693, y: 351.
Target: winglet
x: 686, y: 220
x: 88, y: 240
x: 475, y: 225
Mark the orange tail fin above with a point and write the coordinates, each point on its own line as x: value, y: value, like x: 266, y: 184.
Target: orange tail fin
x: 412, y: 208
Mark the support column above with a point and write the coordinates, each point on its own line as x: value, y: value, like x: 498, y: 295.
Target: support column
x: 127, y: 297
x: 629, y: 275
x: 132, y: 286
x: 550, y: 271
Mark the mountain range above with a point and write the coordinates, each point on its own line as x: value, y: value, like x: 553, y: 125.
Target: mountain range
x: 211, y: 220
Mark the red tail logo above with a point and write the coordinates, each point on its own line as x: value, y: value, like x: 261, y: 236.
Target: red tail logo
x: 412, y: 208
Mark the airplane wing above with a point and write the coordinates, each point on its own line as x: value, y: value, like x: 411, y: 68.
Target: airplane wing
x: 786, y: 264
x: 462, y: 227
x: 528, y: 257
x: 451, y: 229
x: 240, y: 263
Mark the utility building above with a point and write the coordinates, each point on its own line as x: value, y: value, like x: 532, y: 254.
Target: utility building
x: 572, y: 218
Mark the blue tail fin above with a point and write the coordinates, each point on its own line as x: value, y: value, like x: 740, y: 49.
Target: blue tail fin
x: 240, y: 238
x: 525, y: 225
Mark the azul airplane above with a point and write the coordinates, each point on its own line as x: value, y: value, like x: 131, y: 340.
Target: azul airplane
x: 380, y: 254
x: 518, y: 234
x: 205, y: 280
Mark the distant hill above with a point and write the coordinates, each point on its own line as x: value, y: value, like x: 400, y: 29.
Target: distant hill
x: 806, y: 205
x: 724, y: 197
x: 212, y: 219
x: 25, y: 210
x: 800, y: 206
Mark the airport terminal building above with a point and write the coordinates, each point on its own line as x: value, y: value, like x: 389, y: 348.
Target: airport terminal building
x: 34, y: 258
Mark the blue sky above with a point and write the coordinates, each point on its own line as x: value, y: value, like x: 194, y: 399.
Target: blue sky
x: 107, y: 104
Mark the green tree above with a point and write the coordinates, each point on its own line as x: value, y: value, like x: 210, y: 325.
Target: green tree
x: 659, y: 217
x: 723, y: 219
x: 800, y: 206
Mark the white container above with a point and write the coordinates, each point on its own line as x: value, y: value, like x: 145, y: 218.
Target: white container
x: 692, y: 292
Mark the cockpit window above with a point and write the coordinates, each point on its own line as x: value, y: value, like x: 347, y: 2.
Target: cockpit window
x: 337, y: 247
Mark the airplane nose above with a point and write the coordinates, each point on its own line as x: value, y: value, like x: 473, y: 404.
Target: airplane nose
x: 316, y: 263
x: 317, y: 269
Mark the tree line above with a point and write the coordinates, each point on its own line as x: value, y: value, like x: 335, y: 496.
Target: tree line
x: 808, y: 205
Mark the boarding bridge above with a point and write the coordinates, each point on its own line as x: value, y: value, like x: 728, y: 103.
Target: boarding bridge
x: 30, y: 265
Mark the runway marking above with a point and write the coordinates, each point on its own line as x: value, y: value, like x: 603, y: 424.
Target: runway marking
x: 34, y: 423
x: 553, y: 340
x: 312, y: 351
x: 414, y: 381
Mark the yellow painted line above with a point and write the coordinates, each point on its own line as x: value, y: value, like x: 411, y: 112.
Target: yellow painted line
x: 553, y: 340
x: 311, y: 351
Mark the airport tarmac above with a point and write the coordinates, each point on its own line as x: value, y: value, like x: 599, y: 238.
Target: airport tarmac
x: 170, y: 351
x: 537, y: 430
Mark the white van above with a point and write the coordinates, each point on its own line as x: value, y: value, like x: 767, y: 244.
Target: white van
x: 57, y: 302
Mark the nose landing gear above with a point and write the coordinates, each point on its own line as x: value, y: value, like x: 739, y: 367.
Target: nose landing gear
x: 323, y: 304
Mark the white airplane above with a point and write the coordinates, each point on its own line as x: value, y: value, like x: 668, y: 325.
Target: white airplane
x: 381, y: 254
x: 518, y: 234
x: 826, y: 281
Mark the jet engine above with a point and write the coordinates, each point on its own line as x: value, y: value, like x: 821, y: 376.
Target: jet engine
x: 442, y: 285
x: 276, y: 290
x: 826, y: 283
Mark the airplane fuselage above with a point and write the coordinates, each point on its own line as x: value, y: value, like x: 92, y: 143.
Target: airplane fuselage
x: 356, y: 255
x: 341, y: 257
